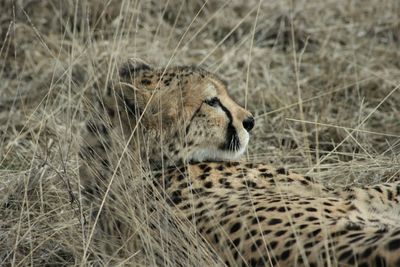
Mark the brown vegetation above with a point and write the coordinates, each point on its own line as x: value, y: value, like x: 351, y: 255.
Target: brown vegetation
x: 321, y: 77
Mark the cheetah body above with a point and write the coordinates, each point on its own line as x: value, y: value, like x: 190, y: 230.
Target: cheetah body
x: 255, y: 214
x: 250, y: 214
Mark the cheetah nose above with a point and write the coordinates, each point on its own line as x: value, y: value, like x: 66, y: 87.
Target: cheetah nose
x: 248, y: 123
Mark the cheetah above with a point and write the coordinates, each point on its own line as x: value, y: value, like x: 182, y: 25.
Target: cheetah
x: 251, y: 214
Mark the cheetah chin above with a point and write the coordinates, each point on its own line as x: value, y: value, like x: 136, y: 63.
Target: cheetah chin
x: 215, y: 154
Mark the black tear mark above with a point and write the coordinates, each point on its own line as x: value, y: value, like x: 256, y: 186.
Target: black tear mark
x: 232, y: 139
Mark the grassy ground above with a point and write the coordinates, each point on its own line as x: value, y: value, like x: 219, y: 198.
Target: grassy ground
x: 321, y: 77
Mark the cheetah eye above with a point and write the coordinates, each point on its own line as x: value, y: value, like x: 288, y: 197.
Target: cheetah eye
x: 214, y: 102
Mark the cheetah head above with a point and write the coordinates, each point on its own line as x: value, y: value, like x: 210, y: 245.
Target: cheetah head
x: 183, y: 114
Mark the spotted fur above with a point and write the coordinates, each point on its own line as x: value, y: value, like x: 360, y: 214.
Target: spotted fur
x: 251, y: 214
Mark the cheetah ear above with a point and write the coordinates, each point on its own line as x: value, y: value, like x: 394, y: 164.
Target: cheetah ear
x: 124, y: 99
x: 132, y: 103
x: 131, y: 68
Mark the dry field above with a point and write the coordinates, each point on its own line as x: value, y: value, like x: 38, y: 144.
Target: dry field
x: 321, y: 77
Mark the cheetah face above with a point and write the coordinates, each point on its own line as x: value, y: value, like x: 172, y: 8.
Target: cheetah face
x: 185, y: 112
x: 219, y: 127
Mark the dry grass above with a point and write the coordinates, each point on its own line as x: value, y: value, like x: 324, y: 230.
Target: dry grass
x: 321, y: 77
